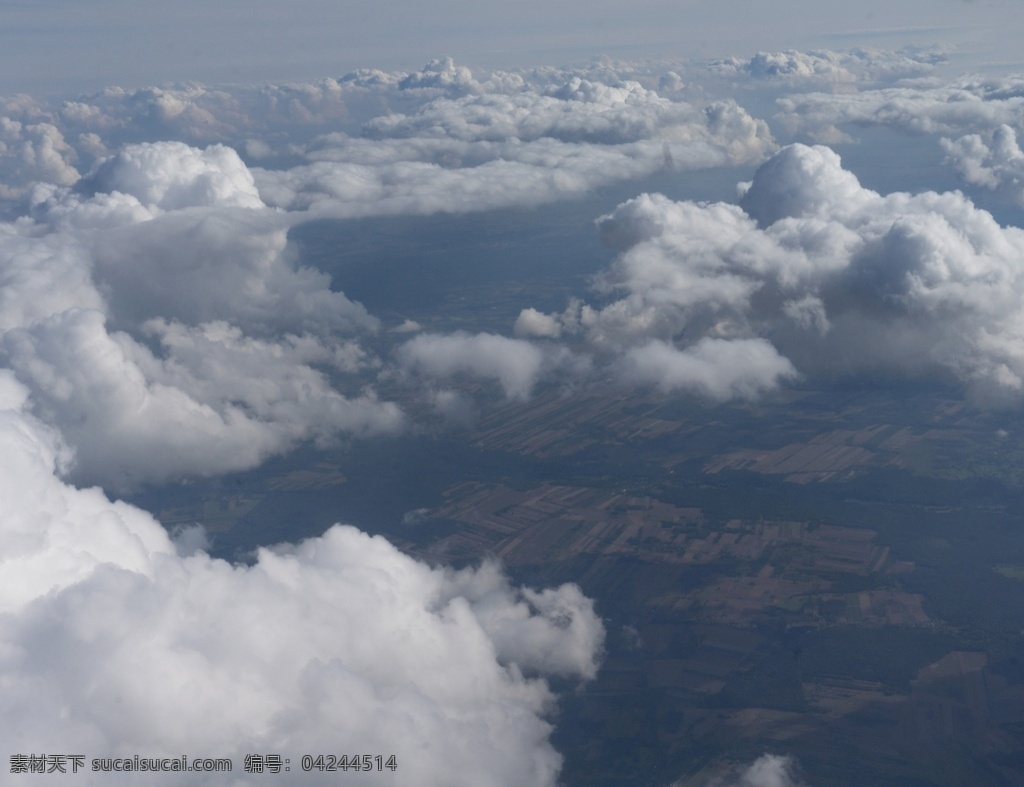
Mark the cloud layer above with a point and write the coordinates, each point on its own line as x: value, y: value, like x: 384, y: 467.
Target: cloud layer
x: 469, y: 146
x: 374, y: 142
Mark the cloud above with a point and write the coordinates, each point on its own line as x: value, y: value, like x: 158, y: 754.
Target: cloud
x: 994, y: 161
x: 970, y: 104
x: 578, y: 111
x: 811, y: 273
x: 821, y: 66
x: 211, y: 402
x: 113, y: 644
x: 378, y: 143
x: 173, y: 175
x: 160, y: 320
x: 355, y: 177
x: 768, y: 770
x: 31, y: 152
x: 719, y: 369
x: 441, y: 76
x: 825, y: 67
x: 802, y: 182
x: 616, y: 120
x: 514, y: 364
x: 611, y: 127
x: 531, y: 322
x: 154, y: 315
x: 225, y: 263
x: 507, y: 142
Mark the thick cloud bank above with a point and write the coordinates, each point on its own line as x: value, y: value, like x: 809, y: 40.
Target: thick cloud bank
x: 468, y: 146
x: 373, y: 142
x: 113, y: 644
x: 811, y: 273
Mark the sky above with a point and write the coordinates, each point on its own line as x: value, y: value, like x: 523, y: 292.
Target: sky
x: 158, y: 325
x: 57, y: 45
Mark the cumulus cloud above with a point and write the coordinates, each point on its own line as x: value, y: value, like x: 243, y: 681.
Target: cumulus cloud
x: 578, y: 111
x: 441, y: 76
x: 32, y: 152
x: 178, y: 232
x: 159, y: 319
x: 531, y: 322
x: 821, y: 65
x: 212, y: 401
x: 232, y: 264
x: 716, y: 368
x: 810, y: 273
x: 994, y: 161
x: 113, y: 644
x: 826, y: 67
x: 173, y: 175
x: 514, y: 364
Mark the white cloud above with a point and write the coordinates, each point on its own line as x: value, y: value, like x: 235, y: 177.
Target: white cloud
x: 154, y: 313
x: 173, y: 175
x: 578, y: 111
x: 804, y: 182
x: 407, y: 326
x: 212, y: 401
x: 514, y: 364
x: 441, y: 76
x: 113, y: 644
x: 31, y: 152
x: 42, y: 276
x: 531, y: 322
x: 223, y: 263
x: 425, y: 175
x: 509, y: 141
x: 825, y: 67
x: 810, y: 273
x: 970, y: 104
x: 374, y: 142
x: 159, y: 319
x: 716, y: 368
x: 993, y: 160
